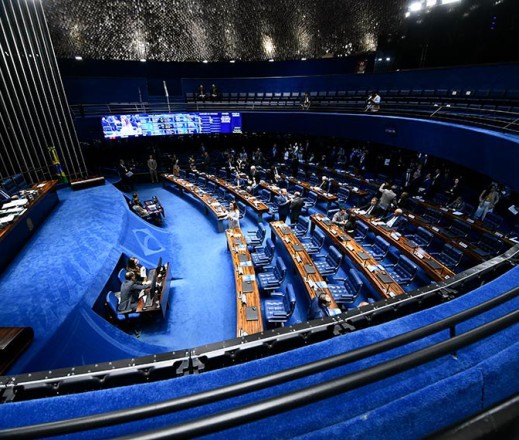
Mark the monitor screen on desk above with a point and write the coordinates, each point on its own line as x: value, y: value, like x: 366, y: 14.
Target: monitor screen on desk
x: 137, y: 125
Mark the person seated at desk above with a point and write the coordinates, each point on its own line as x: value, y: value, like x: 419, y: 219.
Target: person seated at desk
x: 138, y: 269
x: 318, y: 306
x: 371, y: 208
x: 324, y: 184
x: 351, y: 224
x: 394, y: 220
x: 457, y: 204
x: 136, y: 199
x: 141, y: 212
x: 340, y: 218
x: 130, y: 290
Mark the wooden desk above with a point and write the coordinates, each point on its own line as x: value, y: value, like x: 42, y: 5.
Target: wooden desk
x: 13, y: 342
x: 274, y: 189
x: 467, y: 248
x: 14, y: 235
x: 476, y: 225
x: 301, y: 258
x: 242, y: 264
x: 257, y: 206
x: 210, y: 203
x: 321, y: 194
x: 354, y: 251
x: 416, y: 254
x: 162, y: 288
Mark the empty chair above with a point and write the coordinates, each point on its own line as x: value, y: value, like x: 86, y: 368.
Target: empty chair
x: 458, y: 228
x: 112, y: 302
x: 255, y: 238
x: 315, y: 243
x: 221, y: 194
x: 299, y: 189
x: 264, y: 195
x: 422, y: 237
x: 263, y: 255
x: 273, y: 279
x: 301, y: 227
x: 379, y: 248
x: 493, y: 221
x: 212, y: 188
x: 20, y: 182
x: 310, y: 202
x: 348, y: 290
x: 280, y: 306
x: 343, y: 194
x: 361, y: 231
x: 488, y: 245
x: 404, y: 271
x: 449, y: 256
x: 202, y: 182
x: 242, y: 208
x: 331, y: 263
x: 313, y: 180
x: 432, y: 215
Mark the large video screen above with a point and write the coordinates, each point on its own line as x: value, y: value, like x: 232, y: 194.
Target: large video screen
x: 123, y: 126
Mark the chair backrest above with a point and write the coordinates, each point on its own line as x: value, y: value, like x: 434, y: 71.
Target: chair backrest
x: 318, y: 237
x: 280, y: 270
x: 452, y: 252
x: 491, y: 241
x: 290, y: 300
x: 424, y: 234
x: 334, y: 257
x: 303, y: 224
x: 344, y: 193
x: 354, y: 281
x: 299, y: 188
x: 407, y: 265
x: 493, y: 220
x: 460, y: 226
x: 312, y: 197
x: 202, y: 181
x: 122, y: 275
x: 362, y: 228
x: 112, y: 302
x: 382, y: 244
x: 242, y: 208
x: 269, y: 248
x: 265, y: 194
x: 261, y: 232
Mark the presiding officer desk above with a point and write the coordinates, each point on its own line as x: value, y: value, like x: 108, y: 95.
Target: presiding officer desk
x: 159, y: 278
x: 433, y: 268
x: 257, y: 205
x: 248, y: 304
x: 210, y: 203
x: 14, y: 234
x: 379, y: 278
x: 313, y: 281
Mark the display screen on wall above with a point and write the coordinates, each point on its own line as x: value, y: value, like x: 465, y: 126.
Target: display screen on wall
x: 124, y: 126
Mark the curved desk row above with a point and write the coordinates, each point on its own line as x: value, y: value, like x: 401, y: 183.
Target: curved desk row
x: 257, y: 205
x: 321, y: 195
x: 248, y: 304
x: 14, y: 235
x: 313, y: 281
x: 210, y: 203
x: 379, y: 278
x: 433, y: 268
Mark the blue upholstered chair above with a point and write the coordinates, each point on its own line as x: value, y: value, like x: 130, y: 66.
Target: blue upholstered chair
x: 242, y: 208
x: 301, y: 227
x: 361, y: 231
x: 347, y: 291
x: 422, y: 237
x: 489, y: 245
x: 449, y: 256
x: 112, y: 303
x: 331, y: 263
x: 273, y: 279
x: 280, y: 306
x: 264, y: 195
x: 492, y: 220
x: 378, y: 249
x: 122, y: 275
x: 458, y: 229
x: 255, y: 238
x: 314, y: 243
x: 263, y: 255
x: 343, y: 194
x: 404, y: 271
x: 310, y: 201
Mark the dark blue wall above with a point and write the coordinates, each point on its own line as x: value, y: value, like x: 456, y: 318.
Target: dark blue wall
x: 491, y: 153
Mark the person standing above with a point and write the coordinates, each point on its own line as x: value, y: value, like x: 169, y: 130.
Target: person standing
x: 283, y: 202
x: 487, y: 200
x: 296, y: 206
x: 152, y: 167
x: 233, y: 215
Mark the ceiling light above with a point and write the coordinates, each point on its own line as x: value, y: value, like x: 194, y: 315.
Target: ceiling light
x: 271, y: 60
x: 205, y: 61
x: 142, y: 60
x: 430, y: 3
x: 303, y: 59
x: 232, y: 61
x: 415, y: 6
x: 78, y: 58
x: 447, y: 2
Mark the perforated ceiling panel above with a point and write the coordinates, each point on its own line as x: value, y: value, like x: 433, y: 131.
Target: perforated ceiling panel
x: 215, y: 30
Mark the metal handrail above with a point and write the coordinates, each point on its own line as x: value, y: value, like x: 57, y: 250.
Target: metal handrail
x: 297, y: 398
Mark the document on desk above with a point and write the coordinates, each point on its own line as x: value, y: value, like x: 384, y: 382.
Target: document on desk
x: 7, y: 219
x: 15, y: 203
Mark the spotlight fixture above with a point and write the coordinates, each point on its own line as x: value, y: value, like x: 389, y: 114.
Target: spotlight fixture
x: 303, y: 59
x: 205, y: 61
x: 78, y: 58
x: 415, y: 7
x: 271, y: 60
x: 388, y: 59
x: 232, y: 61
x: 142, y: 60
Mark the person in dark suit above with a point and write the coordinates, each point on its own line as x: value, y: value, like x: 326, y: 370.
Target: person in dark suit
x: 283, y: 201
x: 138, y: 269
x: 395, y: 220
x: 296, y: 206
x: 318, y: 306
x: 130, y: 290
x: 371, y: 208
